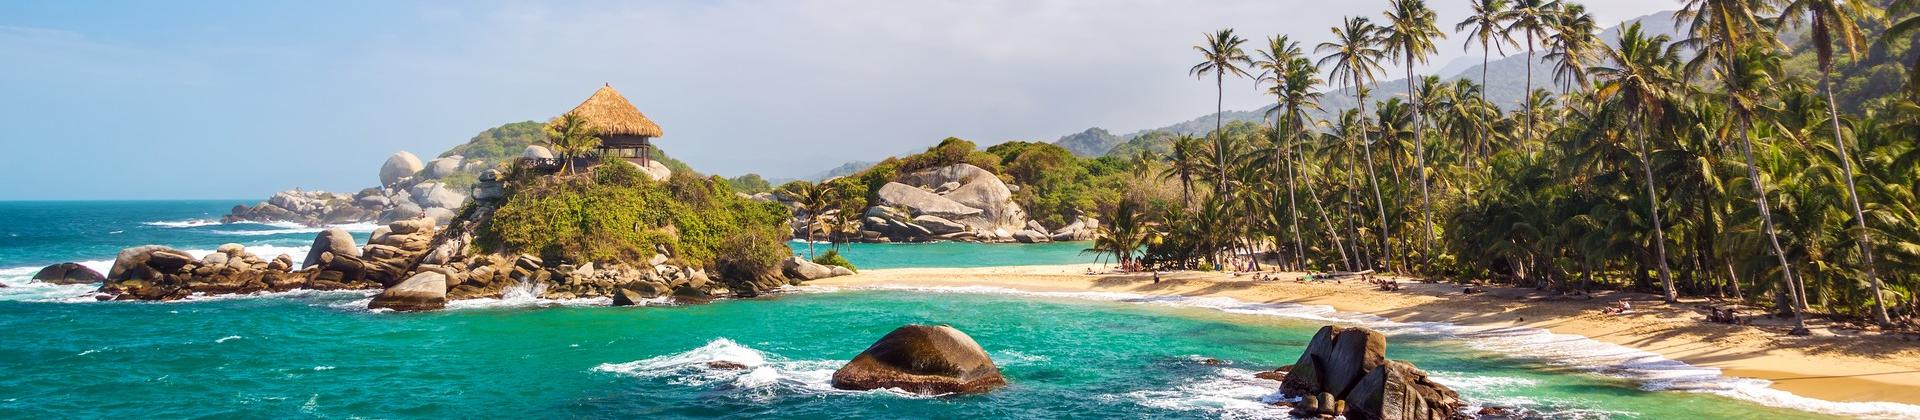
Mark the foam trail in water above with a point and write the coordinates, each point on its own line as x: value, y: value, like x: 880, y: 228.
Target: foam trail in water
x: 1224, y: 393
x: 527, y: 295
x: 1654, y: 372
x: 758, y: 375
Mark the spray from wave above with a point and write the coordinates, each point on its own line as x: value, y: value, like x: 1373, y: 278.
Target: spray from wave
x: 728, y: 367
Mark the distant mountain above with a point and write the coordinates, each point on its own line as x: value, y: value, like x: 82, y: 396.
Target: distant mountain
x: 1093, y: 142
x: 844, y: 169
x: 1506, y: 82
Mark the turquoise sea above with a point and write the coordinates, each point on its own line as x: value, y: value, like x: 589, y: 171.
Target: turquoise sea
x: 1085, y: 355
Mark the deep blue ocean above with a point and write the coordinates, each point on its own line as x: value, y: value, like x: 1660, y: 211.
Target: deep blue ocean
x: 1085, y: 355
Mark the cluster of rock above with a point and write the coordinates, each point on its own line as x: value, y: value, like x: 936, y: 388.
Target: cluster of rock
x: 409, y: 189
x: 958, y: 202
x: 1345, y: 372
x: 922, y: 359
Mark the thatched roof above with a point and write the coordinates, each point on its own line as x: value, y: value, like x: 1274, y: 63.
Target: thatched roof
x: 611, y: 115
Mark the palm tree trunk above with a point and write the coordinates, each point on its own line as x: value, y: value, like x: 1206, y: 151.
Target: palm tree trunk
x: 1527, y: 97
x: 1326, y: 223
x: 1653, y: 208
x: 1766, y: 222
x: 1293, y: 208
x: 1853, y: 195
x: 1420, y: 154
x: 810, y: 254
x: 1486, y: 58
x: 1219, y: 139
x: 1386, y: 248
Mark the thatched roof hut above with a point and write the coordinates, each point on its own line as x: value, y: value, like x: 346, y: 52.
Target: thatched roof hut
x: 618, y: 122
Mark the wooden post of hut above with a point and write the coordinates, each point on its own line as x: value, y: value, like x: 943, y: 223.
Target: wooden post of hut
x: 624, y: 132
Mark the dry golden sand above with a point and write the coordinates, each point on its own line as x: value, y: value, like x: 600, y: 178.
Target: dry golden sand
x: 1831, y: 365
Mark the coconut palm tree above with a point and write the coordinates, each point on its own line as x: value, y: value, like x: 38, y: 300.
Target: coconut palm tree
x: 1354, y: 59
x: 1221, y: 56
x: 1293, y: 77
x: 571, y: 137
x: 1409, y: 34
x: 1123, y: 233
x: 812, y: 201
x: 1487, y: 26
x: 1731, y: 36
x: 1183, y: 162
x: 1533, y: 19
x: 1638, y: 77
x: 1834, y: 23
x: 1572, y: 45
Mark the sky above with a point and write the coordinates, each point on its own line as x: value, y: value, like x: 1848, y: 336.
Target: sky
x: 239, y: 99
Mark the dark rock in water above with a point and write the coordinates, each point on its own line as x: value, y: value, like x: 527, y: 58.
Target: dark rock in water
x: 425, y: 291
x: 1274, y: 375
x: 628, y: 297
x: 68, y: 273
x: 690, y: 295
x: 922, y: 359
x: 1346, y: 372
x: 726, y: 365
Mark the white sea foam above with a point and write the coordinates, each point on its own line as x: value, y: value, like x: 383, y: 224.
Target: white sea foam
x: 1652, y: 371
x: 283, y: 228
x: 183, y: 223
x: 1225, y: 393
x: 527, y: 295
x: 228, y: 338
x: 761, y: 376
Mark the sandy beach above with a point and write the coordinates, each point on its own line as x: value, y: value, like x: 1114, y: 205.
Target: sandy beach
x: 1835, y: 365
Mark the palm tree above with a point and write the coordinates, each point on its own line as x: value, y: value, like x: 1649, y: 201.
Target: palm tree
x: 1123, y: 233
x: 1832, y: 22
x: 1730, y: 34
x: 1221, y: 55
x: 1293, y: 79
x: 813, y: 201
x: 1572, y: 43
x: 1182, y: 162
x: 1534, y: 19
x: 1642, y: 71
x: 571, y: 137
x: 1487, y: 26
x: 1410, y: 32
x: 1355, y: 56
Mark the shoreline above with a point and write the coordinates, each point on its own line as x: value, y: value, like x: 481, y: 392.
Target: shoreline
x: 1839, y: 367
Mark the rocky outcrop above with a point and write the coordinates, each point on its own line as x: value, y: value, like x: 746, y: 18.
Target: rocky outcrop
x: 922, y: 202
x: 654, y: 169
x: 443, y: 167
x: 407, y: 190
x: 800, y: 268
x: 161, y: 273
x: 1345, y: 372
x: 958, y: 202
x: 335, y: 241
x: 922, y: 359
x: 536, y: 152
x: 425, y: 291
x: 1030, y: 237
x: 68, y: 273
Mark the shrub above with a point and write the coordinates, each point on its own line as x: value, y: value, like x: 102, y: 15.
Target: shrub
x: 833, y: 258
x: 752, y: 253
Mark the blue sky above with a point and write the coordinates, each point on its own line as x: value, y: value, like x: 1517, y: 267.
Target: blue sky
x: 219, y: 99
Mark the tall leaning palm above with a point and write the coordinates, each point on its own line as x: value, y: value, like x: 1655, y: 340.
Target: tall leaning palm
x: 1486, y: 26
x: 1221, y: 56
x: 1835, y: 23
x: 1409, y: 35
x: 1639, y: 77
x: 1732, y: 39
x: 1572, y: 45
x: 1353, y: 58
x: 1533, y: 19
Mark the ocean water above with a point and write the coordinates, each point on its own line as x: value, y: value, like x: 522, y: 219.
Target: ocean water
x: 1095, y: 355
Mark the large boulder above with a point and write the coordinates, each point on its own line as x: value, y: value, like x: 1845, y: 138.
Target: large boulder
x: 444, y: 167
x: 424, y: 291
x: 800, y: 268
x: 1345, y: 371
x: 653, y: 169
x: 922, y: 359
x: 133, y: 263
x: 334, y: 240
x: 68, y: 273
x: 401, y: 165
x: 1029, y: 237
x: 536, y: 152
x: 978, y: 189
x: 920, y: 202
x: 434, y: 194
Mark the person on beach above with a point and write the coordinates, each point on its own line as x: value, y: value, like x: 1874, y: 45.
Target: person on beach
x: 1156, y: 276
